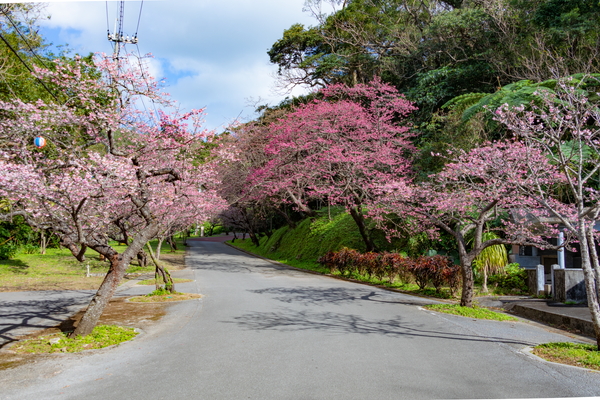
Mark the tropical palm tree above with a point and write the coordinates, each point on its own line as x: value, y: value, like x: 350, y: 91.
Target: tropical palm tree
x: 491, y: 260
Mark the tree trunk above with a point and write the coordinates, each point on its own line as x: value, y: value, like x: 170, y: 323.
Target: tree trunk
x: 466, y: 298
x: 287, y: 218
x: 359, y: 218
x: 142, y: 259
x: 484, y: 287
x: 162, y: 272
x: 301, y: 206
x: 158, y: 248
x: 172, y: 243
x: 586, y: 241
x: 43, y: 242
x: 254, y: 238
x: 103, y: 295
x: 116, y: 271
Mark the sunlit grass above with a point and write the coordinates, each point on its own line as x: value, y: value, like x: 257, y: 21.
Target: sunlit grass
x: 470, y: 312
x: 59, y: 270
x: 102, y: 336
x: 581, y: 355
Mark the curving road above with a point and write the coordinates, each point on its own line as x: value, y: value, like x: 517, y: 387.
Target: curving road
x: 263, y: 331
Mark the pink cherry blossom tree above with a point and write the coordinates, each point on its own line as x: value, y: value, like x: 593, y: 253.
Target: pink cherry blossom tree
x: 565, y: 128
x: 472, y: 190
x: 105, y: 161
x: 338, y: 149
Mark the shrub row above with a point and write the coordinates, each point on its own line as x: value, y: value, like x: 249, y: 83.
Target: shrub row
x: 435, y: 270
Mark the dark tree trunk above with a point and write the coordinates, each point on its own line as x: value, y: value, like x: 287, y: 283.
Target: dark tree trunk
x: 466, y: 299
x: 359, y: 218
x: 287, y: 218
x: 172, y: 243
x: 254, y: 239
x: 142, y: 258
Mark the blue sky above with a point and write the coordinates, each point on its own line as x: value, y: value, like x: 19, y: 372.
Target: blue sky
x: 213, y: 53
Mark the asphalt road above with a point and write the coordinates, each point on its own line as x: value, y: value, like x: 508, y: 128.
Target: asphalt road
x: 262, y: 331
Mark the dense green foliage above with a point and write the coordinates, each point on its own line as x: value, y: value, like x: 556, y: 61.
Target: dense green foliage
x: 513, y: 280
x: 451, y: 58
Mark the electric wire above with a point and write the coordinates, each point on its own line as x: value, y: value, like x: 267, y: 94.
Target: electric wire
x: 23, y: 37
x: 27, y: 66
x: 107, y: 21
x: 139, y: 57
x: 139, y: 18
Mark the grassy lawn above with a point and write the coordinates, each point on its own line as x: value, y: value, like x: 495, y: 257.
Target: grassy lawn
x: 59, y: 270
x: 577, y: 354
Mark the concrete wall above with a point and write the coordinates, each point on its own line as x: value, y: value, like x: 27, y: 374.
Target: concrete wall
x: 569, y: 285
x: 532, y: 281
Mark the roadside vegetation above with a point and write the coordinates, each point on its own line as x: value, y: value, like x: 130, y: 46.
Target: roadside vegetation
x: 102, y: 336
x: 163, y: 295
x: 332, y: 230
x: 577, y: 354
x: 470, y: 312
x: 59, y: 270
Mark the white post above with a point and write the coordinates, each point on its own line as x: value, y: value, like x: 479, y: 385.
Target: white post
x: 201, y: 231
x: 561, y: 252
x: 541, y: 280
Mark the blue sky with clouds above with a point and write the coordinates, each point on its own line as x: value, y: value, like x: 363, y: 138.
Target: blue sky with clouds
x: 213, y: 53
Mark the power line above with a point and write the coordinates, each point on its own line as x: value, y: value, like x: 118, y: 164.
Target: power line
x: 145, y: 79
x: 27, y: 66
x: 139, y: 19
x: 23, y: 37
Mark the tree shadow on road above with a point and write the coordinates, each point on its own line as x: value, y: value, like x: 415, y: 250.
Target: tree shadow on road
x: 318, y: 296
x: 288, y: 320
x: 18, y: 317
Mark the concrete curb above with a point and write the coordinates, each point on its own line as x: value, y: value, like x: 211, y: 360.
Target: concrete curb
x: 528, y: 351
x: 585, y: 327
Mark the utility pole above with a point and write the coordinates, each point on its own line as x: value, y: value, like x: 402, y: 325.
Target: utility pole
x: 117, y: 36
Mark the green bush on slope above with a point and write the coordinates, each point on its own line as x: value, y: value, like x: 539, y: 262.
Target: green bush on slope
x: 313, y: 237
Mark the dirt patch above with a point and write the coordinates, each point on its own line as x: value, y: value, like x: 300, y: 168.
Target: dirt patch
x: 174, y: 261
x: 165, y: 298
x: 118, y: 312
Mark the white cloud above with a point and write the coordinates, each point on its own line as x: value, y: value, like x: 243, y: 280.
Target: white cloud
x: 212, y: 53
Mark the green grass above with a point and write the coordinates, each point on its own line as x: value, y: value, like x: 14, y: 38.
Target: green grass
x: 470, y: 312
x: 581, y: 355
x: 59, y: 270
x: 102, y: 336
